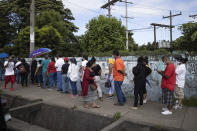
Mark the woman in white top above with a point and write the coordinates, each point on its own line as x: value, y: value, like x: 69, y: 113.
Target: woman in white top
x: 180, y: 80
x: 73, y: 74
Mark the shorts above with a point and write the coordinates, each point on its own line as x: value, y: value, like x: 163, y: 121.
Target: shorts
x: 167, y: 97
x: 178, y: 92
x: 10, y: 78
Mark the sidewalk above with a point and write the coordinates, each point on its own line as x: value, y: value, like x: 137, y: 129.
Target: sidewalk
x: 149, y: 114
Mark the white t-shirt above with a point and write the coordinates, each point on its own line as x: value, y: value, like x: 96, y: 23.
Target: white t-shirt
x: 84, y: 63
x: 9, y: 70
x: 180, y: 75
x: 58, y: 64
x: 73, y: 72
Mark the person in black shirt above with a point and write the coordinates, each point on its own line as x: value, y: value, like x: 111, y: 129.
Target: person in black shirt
x: 65, y: 79
x: 97, y: 72
x: 24, y: 71
x: 141, y: 71
x: 33, y: 70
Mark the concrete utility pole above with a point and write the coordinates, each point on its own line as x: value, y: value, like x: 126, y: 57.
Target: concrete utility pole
x: 170, y: 16
x: 159, y: 25
x: 32, y: 25
x: 109, y: 10
x: 126, y: 17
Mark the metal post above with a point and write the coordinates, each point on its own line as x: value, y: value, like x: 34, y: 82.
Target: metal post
x: 32, y: 25
x: 127, y: 33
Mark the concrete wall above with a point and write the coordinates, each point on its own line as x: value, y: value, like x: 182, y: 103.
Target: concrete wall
x: 154, y: 92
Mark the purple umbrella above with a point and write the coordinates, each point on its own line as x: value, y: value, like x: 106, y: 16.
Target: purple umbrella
x: 40, y: 51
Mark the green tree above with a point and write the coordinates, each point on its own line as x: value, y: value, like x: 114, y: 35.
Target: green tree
x: 103, y: 34
x: 188, y: 40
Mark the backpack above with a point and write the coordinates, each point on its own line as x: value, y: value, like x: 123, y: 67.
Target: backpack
x: 22, y: 69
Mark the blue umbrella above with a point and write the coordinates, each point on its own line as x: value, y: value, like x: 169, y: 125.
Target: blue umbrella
x: 40, y: 51
x: 3, y: 55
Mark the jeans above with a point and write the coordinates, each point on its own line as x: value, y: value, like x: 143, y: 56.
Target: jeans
x: 17, y: 76
x: 44, y: 76
x: 119, y: 93
x: 52, y: 79
x: 74, y: 87
x: 138, y: 93
x: 59, y: 80
x: 24, y: 78
x: 39, y: 78
x: 111, y: 89
x: 65, y: 83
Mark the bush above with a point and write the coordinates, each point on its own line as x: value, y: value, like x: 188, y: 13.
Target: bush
x: 116, y: 116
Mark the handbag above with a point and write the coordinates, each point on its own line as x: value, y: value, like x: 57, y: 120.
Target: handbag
x: 92, y: 87
x: 108, y: 84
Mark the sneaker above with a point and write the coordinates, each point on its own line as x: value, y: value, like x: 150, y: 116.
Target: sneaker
x: 11, y: 89
x: 164, y: 109
x: 167, y: 112
x: 178, y: 107
x: 134, y: 108
x: 145, y: 101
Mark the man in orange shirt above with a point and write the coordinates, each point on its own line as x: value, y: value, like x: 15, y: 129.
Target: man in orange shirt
x: 118, y: 75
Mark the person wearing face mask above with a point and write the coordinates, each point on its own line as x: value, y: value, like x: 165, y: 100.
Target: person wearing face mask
x: 180, y: 81
x: 168, y: 85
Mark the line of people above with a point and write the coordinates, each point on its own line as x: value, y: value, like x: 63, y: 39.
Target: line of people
x: 61, y: 73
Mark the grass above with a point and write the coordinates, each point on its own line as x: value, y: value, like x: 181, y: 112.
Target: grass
x: 116, y: 116
x: 192, y: 101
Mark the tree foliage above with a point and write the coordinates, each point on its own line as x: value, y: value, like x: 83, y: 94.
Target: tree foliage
x: 104, y: 34
x: 188, y: 40
x: 53, y: 25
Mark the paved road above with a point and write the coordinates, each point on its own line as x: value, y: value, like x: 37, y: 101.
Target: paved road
x: 149, y: 113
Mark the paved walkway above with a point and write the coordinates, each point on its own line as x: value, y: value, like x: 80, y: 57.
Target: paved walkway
x: 149, y: 113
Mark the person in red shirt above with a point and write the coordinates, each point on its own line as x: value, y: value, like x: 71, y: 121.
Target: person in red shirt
x: 51, y: 71
x: 168, y: 85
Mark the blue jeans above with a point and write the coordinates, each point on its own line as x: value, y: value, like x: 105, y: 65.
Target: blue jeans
x: 52, y: 79
x: 39, y: 77
x: 65, y: 83
x: 59, y: 80
x: 119, y: 93
x: 44, y: 76
x: 17, y: 76
x: 74, y: 87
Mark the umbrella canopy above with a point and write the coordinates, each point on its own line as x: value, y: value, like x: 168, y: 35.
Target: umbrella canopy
x: 3, y: 55
x: 40, y: 51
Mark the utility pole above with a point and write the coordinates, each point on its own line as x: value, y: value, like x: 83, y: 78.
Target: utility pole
x: 159, y: 25
x: 126, y: 17
x: 170, y: 16
x: 32, y: 25
x: 109, y: 10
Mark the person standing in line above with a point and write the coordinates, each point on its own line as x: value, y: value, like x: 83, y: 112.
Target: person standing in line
x: 58, y: 64
x: 9, y: 73
x: 180, y: 81
x: 109, y: 76
x: 97, y: 72
x: 89, y: 95
x: 168, y: 85
x: 141, y: 71
x: 38, y: 73
x: 18, y: 71
x: 73, y: 75
x: 65, y: 79
x: 83, y: 66
x: 33, y: 70
x: 144, y: 89
x: 118, y: 75
x: 45, y: 64
x: 51, y: 72
x: 24, y: 72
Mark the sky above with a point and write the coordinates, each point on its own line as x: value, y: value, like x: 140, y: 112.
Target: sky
x: 144, y: 12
